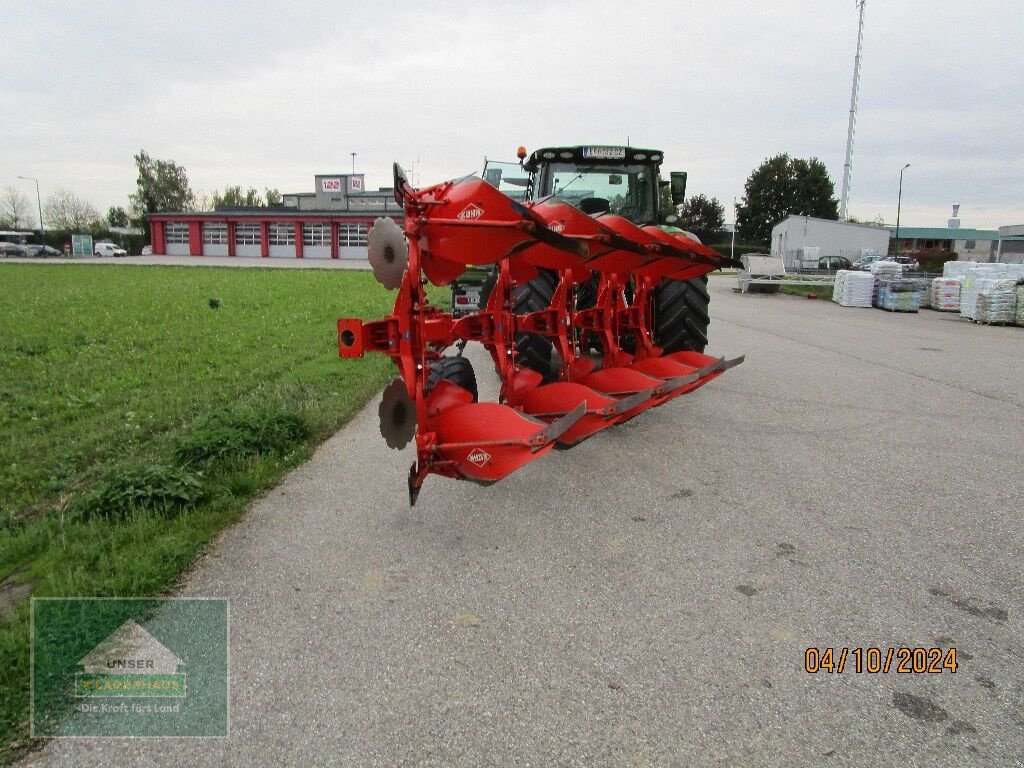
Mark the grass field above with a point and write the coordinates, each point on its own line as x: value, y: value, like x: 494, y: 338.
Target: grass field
x: 141, y: 409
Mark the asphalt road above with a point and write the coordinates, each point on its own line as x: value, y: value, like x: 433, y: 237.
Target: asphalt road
x: 646, y: 598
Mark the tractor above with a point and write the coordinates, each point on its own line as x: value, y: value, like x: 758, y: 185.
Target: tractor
x: 596, y: 179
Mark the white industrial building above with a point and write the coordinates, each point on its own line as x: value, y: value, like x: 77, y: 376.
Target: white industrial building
x: 794, y: 234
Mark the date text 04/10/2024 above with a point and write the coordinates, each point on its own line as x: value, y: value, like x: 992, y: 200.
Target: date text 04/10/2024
x: 880, y: 660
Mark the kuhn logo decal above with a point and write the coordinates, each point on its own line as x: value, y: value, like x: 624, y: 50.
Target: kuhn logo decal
x: 556, y: 226
x: 471, y: 211
x: 479, y: 456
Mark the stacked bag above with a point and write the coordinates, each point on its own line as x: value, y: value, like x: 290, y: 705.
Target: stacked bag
x: 958, y: 268
x: 923, y: 286
x: 997, y: 300
x: 946, y: 293
x: 853, y: 288
x: 898, y: 295
x: 882, y: 270
x: 969, y: 292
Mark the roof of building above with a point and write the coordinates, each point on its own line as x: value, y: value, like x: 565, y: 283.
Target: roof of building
x: 286, y: 212
x: 830, y: 221
x: 945, y: 233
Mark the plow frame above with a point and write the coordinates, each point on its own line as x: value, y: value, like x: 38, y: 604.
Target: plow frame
x: 483, y: 442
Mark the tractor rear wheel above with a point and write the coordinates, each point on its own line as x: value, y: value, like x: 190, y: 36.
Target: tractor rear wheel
x: 532, y: 351
x: 457, y: 370
x: 681, y: 315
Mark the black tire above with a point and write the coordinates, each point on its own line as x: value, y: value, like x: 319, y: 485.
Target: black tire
x: 532, y: 351
x: 681, y: 315
x: 457, y: 370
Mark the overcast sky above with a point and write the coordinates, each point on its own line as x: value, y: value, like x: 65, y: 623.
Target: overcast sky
x: 268, y: 94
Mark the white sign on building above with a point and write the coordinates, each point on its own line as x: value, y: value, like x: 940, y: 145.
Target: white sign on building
x: 330, y: 184
x: 355, y: 183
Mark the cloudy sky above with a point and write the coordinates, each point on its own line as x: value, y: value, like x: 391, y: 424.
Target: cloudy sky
x: 267, y: 94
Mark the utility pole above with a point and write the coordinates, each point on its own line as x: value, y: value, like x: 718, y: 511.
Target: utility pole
x: 899, y: 206
x: 732, y: 251
x: 353, y: 162
x: 844, y: 197
x: 39, y: 202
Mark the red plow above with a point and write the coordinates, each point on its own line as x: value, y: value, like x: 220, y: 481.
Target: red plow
x: 608, y: 368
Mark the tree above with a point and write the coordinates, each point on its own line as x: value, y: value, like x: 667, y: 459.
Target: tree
x: 202, y: 201
x: 234, y: 197
x: 703, y: 216
x: 162, y: 186
x: 64, y: 210
x: 781, y: 186
x: 878, y: 221
x: 16, y: 210
x: 117, y: 216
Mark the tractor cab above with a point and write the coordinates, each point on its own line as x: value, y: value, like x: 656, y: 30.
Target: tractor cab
x: 595, y: 179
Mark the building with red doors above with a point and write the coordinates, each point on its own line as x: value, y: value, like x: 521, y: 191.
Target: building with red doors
x: 332, y: 222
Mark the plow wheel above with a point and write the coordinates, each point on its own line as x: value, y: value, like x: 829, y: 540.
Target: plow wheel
x: 532, y: 351
x: 457, y: 370
x: 681, y: 315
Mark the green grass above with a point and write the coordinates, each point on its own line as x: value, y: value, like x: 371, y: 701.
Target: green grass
x: 820, y: 291
x: 141, y: 409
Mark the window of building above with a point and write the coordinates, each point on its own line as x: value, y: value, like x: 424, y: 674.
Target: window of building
x: 970, y: 245
x: 215, y: 233
x: 176, y: 233
x: 352, y: 234
x: 247, y: 234
x: 316, y: 234
x: 282, y: 234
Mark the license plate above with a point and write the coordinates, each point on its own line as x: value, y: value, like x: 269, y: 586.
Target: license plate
x: 605, y: 153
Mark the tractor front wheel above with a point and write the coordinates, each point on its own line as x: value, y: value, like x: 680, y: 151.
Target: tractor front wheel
x: 681, y: 315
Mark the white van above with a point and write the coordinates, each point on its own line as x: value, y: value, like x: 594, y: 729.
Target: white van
x: 109, y: 249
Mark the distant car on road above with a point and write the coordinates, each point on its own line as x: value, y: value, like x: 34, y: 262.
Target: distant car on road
x: 864, y: 262
x: 109, y: 249
x: 43, y: 251
x: 908, y: 262
x: 13, y: 249
x: 832, y: 263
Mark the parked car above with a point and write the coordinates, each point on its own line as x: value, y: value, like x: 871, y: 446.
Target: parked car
x: 43, y: 251
x: 864, y: 262
x: 833, y: 263
x: 109, y: 249
x: 13, y: 249
x: 147, y: 250
x: 908, y: 262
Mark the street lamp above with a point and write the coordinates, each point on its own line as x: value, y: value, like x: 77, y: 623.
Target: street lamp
x: 39, y: 202
x: 353, y: 161
x: 899, y: 205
